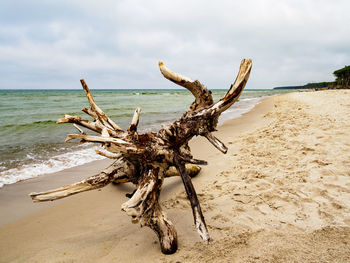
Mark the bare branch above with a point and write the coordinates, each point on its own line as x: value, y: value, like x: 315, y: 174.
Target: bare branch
x: 193, y: 161
x: 113, y: 145
x: 65, y: 191
x: 119, y: 168
x: 108, y: 154
x: 102, y: 117
x: 93, y: 182
x: 91, y: 113
x: 91, y: 138
x: 199, y: 91
x: 78, y: 128
x: 94, y: 126
x: 236, y: 89
x: 192, y: 196
x: 135, y: 120
x: 216, y: 142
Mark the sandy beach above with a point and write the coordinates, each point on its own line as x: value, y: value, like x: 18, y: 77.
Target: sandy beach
x: 280, y: 194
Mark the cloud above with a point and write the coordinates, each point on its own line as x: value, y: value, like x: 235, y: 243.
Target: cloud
x: 116, y: 44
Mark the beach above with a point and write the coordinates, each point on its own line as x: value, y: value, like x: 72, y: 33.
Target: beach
x: 280, y: 194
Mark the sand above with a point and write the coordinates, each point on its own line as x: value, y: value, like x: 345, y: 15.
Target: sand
x: 280, y: 194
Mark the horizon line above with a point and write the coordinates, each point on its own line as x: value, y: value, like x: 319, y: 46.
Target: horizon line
x: 121, y: 89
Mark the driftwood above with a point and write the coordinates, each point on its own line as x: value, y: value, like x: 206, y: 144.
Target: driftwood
x: 146, y: 159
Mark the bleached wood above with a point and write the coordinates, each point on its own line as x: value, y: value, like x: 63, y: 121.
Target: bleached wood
x: 146, y: 159
x: 108, y: 154
x: 92, y: 138
x: 65, y: 191
x: 91, y: 113
x: 80, y: 130
x: 192, y: 196
x: 95, y: 126
x: 216, y: 142
x: 193, y: 161
x: 135, y: 120
x: 236, y: 89
x: 117, y: 169
x: 199, y: 91
x: 99, y: 113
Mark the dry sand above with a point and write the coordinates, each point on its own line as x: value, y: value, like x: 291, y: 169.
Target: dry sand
x: 280, y: 194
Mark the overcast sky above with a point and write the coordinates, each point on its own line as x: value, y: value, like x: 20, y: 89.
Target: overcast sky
x: 118, y: 43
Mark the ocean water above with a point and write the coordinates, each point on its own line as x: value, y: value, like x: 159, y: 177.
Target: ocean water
x: 32, y: 144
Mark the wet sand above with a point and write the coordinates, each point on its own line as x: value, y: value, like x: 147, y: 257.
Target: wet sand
x: 280, y: 194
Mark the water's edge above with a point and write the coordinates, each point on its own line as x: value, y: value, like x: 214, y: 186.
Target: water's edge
x: 81, y: 154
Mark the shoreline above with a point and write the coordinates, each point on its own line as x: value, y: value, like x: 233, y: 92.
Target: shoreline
x: 281, y: 192
x: 15, y: 202
x: 74, y: 156
x: 19, y: 205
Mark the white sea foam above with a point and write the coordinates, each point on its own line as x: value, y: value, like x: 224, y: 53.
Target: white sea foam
x: 239, y: 108
x: 55, y: 164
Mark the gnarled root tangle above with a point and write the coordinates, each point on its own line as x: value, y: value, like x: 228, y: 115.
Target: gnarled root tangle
x: 147, y: 159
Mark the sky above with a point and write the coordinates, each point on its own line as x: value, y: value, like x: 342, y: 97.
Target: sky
x: 116, y: 44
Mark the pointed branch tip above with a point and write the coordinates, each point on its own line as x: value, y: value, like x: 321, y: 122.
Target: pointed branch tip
x: 192, y: 196
x: 216, y: 142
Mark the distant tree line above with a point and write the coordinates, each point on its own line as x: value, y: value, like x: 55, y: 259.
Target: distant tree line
x: 316, y: 85
x: 343, y: 76
x: 342, y: 81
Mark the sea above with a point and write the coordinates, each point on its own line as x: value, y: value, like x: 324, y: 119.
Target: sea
x: 32, y: 144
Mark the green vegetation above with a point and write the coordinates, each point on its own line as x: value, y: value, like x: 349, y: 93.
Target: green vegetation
x: 342, y: 81
x: 318, y: 85
x: 343, y: 76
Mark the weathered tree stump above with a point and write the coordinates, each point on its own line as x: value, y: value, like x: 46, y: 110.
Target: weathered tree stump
x: 146, y: 159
